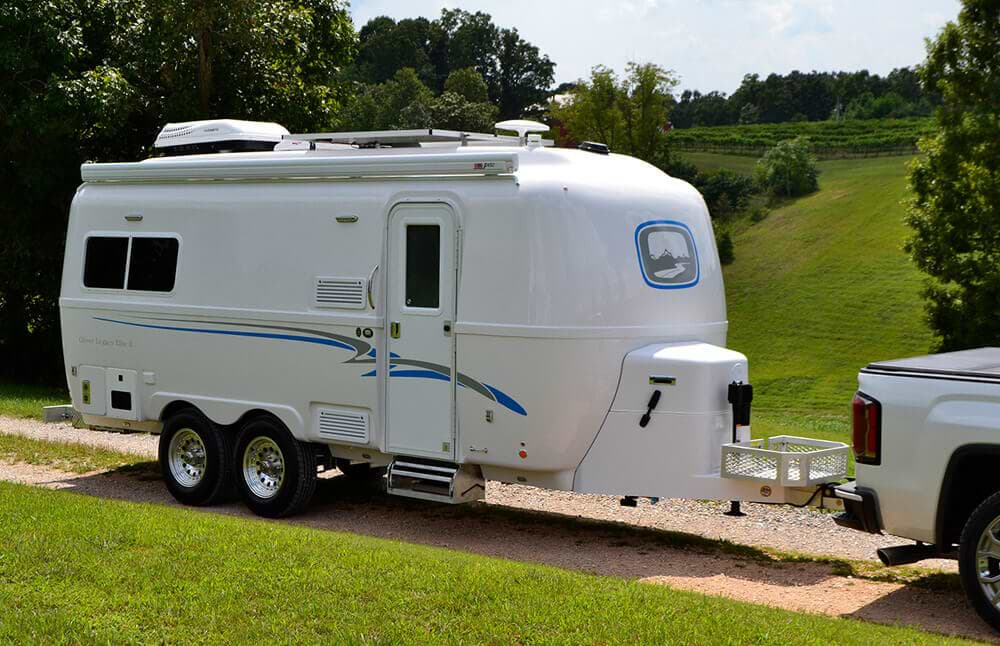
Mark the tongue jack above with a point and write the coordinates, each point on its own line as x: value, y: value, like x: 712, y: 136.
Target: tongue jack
x: 740, y: 396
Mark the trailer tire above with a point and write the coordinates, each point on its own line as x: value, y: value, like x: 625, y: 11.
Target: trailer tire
x: 195, y: 459
x: 981, y: 535
x: 275, y: 473
x: 359, y: 471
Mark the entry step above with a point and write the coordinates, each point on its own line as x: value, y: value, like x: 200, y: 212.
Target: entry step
x: 437, y: 481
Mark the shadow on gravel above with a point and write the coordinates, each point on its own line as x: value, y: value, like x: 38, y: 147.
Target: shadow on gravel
x: 684, y: 561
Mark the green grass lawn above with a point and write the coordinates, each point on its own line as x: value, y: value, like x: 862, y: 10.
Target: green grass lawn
x: 106, y: 571
x: 710, y: 162
x: 66, y: 456
x: 821, y: 288
x: 18, y: 400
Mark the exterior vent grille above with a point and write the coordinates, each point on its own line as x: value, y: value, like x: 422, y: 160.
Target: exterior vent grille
x: 340, y: 292
x: 343, y: 425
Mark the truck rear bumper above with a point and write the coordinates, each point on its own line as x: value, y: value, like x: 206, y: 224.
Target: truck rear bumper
x: 861, y: 509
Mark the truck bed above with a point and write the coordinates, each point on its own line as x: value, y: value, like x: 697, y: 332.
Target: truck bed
x: 979, y: 364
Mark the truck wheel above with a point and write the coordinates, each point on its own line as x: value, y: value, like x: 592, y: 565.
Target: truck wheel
x: 195, y: 459
x: 359, y: 471
x: 979, y: 560
x: 276, y: 474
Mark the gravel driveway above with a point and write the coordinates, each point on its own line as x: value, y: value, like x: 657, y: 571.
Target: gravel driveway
x: 780, y: 527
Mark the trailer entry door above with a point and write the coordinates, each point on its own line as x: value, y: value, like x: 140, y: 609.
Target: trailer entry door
x: 421, y: 292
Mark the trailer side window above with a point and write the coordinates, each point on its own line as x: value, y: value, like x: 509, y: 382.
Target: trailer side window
x: 104, y: 263
x: 423, y: 265
x: 153, y: 264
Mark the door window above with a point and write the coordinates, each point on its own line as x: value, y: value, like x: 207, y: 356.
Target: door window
x: 423, y: 265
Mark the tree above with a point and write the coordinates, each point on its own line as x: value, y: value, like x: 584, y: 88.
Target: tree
x: 629, y: 115
x: 788, y: 169
x: 517, y: 75
x: 955, y: 209
x: 404, y: 102
x: 386, y: 46
x: 96, y: 79
x: 469, y: 84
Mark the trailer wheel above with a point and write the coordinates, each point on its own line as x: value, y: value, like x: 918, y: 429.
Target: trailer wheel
x: 276, y: 474
x: 359, y: 471
x: 979, y: 560
x: 195, y: 459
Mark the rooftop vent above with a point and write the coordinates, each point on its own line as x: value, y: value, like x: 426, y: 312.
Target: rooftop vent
x: 217, y: 135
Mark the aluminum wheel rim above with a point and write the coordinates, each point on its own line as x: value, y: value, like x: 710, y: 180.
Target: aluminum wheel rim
x: 988, y: 562
x: 187, y: 458
x: 263, y: 467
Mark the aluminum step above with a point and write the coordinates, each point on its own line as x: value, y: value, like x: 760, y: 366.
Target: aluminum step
x: 437, y: 481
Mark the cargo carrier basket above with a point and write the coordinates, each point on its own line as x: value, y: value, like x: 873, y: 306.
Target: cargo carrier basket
x: 785, y: 461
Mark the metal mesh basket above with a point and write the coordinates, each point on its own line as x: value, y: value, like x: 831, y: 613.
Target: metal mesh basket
x: 785, y: 461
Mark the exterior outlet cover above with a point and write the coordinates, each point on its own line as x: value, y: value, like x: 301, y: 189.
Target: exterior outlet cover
x: 89, y: 391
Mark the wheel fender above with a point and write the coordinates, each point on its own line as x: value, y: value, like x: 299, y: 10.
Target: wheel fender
x: 229, y: 411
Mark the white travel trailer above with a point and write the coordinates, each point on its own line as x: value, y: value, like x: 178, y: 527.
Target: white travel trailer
x: 456, y: 307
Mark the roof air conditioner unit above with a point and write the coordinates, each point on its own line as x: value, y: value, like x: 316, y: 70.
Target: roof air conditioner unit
x: 217, y: 135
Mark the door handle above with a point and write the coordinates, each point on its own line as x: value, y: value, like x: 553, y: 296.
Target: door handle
x: 394, y: 329
x: 371, y: 279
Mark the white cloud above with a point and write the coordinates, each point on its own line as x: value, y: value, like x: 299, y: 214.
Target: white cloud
x: 711, y: 44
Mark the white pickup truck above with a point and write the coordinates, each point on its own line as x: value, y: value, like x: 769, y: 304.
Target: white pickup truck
x: 926, y: 440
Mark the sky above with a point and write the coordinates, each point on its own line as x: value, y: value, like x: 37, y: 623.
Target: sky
x: 710, y: 44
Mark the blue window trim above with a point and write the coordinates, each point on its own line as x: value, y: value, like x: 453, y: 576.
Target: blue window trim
x: 642, y: 266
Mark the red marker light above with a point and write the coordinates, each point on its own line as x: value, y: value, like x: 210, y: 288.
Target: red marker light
x: 522, y: 453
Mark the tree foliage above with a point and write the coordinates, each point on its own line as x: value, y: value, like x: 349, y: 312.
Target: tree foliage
x: 404, y: 102
x: 628, y: 114
x: 469, y: 84
x: 955, y: 210
x: 96, y: 79
x: 812, y: 96
x: 516, y: 74
x: 788, y: 169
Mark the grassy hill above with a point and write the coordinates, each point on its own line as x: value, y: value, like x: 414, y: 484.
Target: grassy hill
x: 821, y: 288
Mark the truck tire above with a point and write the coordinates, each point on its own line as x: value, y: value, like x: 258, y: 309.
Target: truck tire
x: 195, y: 459
x: 979, y: 560
x: 275, y: 473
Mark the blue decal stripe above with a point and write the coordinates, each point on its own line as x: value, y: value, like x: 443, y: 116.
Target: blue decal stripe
x: 499, y: 396
x: 506, y: 400
x: 256, y: 335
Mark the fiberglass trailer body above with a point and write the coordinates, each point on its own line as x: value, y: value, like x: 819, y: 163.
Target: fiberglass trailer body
x: 456, y: 307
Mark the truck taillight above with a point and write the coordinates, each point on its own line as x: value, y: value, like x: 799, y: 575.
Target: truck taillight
x: 867, y: 429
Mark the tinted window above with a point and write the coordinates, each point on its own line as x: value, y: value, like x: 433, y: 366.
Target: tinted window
x: 153, y: 264
x: 423, y: 262
x: 104, y: 264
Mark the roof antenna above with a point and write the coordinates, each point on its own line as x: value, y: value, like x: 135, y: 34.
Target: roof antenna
x: 522, y: 127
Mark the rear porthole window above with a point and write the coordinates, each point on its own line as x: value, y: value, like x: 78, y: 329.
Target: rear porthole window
x: 104, y: 266
x: 153, y: 264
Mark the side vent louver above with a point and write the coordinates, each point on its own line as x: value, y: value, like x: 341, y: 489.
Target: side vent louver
x: 346, y: 293
x: 343, y: 425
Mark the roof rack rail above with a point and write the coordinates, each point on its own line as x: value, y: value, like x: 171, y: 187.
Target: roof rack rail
x: 410, y: 138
